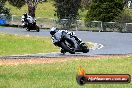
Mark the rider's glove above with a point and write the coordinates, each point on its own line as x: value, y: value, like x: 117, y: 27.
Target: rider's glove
x: 72, y: 34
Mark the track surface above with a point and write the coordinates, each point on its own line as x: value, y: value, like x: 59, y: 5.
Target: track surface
x: 113, y: 42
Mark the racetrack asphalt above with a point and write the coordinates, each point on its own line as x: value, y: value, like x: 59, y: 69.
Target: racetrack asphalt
x: 113, y: 42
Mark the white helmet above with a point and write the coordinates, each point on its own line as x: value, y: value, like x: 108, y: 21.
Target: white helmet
x: 53, y: 30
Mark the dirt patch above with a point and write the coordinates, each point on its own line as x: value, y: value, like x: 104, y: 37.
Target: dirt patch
x: 54, y: 60
x: 30, y: 61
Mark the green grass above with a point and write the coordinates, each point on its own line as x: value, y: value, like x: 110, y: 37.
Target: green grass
x: 63, y: 74
x: 45, y: 10
x: 15, y: 44
x: 128, y: 11
x: 1, y: 26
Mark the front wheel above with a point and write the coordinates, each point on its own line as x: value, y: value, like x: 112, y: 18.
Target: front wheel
x: 69, y: 46
x: 63, y: 51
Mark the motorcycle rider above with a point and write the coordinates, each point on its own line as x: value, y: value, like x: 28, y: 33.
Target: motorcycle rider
x: 54, y: 31
x: 27, y: 20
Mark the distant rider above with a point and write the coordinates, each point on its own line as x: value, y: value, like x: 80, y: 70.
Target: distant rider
x: 58, y: 33
x: 27, y: 20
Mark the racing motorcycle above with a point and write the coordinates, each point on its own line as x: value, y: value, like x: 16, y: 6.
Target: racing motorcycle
x: 29, y: 23
x: 69, y: 44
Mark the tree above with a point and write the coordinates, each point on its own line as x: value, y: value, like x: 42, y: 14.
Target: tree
x: 2, y: 1
x: 105, y: 10
x: 67, y: 9
x: 86, y: 3
x: 32, y: 4
x: 17, y: 3
x: 125, y: 17
x: 3, y: 10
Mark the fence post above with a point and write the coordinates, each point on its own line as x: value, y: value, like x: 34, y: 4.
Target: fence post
x: 125, y: 27
x: 13, y: 17
x: 101, y: 26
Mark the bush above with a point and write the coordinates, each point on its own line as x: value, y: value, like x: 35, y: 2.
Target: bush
x: 104, y: 10
x: 67, y: 9
x: 5, y: 11
x: 124, y: 18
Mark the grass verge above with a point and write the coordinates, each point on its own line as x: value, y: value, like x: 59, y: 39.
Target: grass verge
x: 1, y: 26
x: 15, y: 44
x: 62, y: 74
x: 45, y: 10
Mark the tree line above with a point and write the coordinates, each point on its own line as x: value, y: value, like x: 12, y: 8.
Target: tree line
x: 100, y: 10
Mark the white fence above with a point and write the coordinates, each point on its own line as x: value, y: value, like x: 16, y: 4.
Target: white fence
x: 78, y: 24
x: 42, y: 22
x: 109, y: 26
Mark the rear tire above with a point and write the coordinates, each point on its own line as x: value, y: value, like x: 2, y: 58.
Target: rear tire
x: 37, y: 28
x: 27, y: 29
x: 86, y: 51
x: 85, y: 48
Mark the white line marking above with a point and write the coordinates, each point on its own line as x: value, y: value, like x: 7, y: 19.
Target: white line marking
x: 97, y: 46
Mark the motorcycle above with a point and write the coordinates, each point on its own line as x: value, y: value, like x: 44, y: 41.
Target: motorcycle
x: 69, y: 44
x: 30, y: 25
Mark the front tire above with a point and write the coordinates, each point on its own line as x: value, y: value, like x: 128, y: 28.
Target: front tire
x: 63, y: 51
x: 71, y: 48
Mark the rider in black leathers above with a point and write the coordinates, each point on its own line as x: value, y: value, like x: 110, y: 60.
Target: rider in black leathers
x: 54, y: 30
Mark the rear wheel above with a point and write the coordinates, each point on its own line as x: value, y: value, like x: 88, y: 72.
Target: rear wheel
x: 37, y: 28
x: 27, y: 29
x: 85, y: 48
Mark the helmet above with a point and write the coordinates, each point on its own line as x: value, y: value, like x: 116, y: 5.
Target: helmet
x: 25, y: 15
x: 53, y: 30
